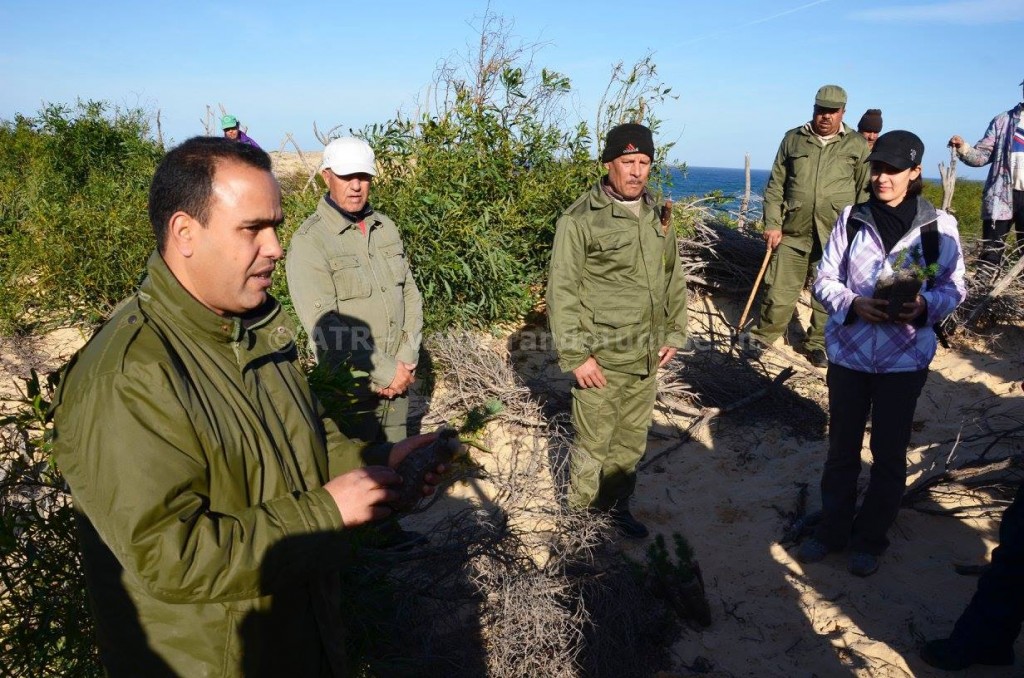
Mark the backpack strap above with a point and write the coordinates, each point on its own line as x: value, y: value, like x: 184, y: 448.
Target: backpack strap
x: 930, y: 251
x: 930, y: 247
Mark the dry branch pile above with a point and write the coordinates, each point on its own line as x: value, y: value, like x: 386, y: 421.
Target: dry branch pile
x: 528, y: 587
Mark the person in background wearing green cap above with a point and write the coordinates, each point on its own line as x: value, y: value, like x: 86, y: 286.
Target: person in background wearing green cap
x: 818, y: 171
x: 617, y: 307
x: 229, y: 124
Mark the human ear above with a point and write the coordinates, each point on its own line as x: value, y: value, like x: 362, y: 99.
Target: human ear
x: 180, y: 230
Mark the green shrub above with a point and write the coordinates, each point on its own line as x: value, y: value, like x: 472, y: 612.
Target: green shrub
x: 966, y: 205
x: 73, y: 226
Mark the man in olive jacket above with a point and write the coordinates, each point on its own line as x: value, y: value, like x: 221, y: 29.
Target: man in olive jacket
x: 215, y: 504
x: 355, y: 295
x: 819, y: 169
x: 617, y: 307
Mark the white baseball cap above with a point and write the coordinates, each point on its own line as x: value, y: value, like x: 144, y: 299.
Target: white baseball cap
x: 349, y: 155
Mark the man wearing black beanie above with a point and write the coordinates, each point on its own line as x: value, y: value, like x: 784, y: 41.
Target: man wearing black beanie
x: 870, y: 125
x: 617, y: 308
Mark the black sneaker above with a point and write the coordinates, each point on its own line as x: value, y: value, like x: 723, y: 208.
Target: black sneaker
x: 948, y: 655
x: 626, y: 524
x: 818, y: 358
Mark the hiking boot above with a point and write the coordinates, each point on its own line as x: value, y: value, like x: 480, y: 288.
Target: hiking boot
x: 625, y: 523
x: 811, y: 551
x: 818, y: 358
x: 948, y: 655
x: 863, y: 564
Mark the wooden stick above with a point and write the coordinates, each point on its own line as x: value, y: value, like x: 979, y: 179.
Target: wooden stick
x: 746, y: 192
x: 753, y: 290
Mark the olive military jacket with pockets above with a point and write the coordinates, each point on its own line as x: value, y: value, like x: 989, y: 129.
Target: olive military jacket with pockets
x: 810, y: 184
x: 616, y: 289
x: 355, y: 293
x: 196, y: 456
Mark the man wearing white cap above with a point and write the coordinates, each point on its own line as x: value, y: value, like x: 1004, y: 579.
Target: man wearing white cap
x: 349, y: 279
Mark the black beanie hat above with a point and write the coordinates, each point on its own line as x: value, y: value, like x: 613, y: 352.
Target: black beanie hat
x: 871, y: 121
x: 626, y: 139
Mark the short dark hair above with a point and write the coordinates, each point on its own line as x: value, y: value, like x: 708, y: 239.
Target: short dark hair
x: 183, y: 181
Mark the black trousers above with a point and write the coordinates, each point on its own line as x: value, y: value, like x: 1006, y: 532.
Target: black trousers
x: 993, y: 233
x: 992, y: 620
x: 891, y: 400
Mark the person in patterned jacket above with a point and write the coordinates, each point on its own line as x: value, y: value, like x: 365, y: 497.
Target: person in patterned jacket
x: 1002, y: 202
x: 877, y: 365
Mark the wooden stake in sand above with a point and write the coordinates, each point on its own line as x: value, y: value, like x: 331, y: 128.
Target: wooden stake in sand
x: 948, y: 180
x: 745, y: 205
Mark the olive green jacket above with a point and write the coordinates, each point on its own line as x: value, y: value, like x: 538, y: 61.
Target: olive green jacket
x: 616, y: 290
x: 810, y: 184
x: 354, y: 293
x: 196, y: 456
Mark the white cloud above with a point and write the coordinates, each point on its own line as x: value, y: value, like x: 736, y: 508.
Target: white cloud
x: 976, y: 12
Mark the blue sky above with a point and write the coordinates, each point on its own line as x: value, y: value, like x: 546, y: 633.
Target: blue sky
x: 745, y: 71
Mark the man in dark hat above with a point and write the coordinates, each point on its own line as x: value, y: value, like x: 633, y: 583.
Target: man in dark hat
x: 1002, y: 203
x: 818, y: 171
x: 870, y: 125
x: 617, y: 308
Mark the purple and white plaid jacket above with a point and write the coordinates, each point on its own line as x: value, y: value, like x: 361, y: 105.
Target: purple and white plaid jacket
x: 884, y: 347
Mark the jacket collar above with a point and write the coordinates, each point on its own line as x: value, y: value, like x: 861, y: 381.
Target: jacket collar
x: 162, y: 294
x: 600, y: 200
x: 926, y: 213
x: 339, y: 223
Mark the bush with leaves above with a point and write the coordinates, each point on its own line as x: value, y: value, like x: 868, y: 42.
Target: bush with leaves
x: 45, y: 624
x: 74, y: 184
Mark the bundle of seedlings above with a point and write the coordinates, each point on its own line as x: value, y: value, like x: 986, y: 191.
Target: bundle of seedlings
x: 904, y: 282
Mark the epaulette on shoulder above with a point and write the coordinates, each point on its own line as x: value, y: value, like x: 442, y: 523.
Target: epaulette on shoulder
x: 581, y: 207
x: 311, y: 221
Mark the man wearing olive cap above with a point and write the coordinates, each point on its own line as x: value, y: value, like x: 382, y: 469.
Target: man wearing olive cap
x: 617, y: 308
x: 1002, y: 203
x: 818, y: 170
x: 233, y: 131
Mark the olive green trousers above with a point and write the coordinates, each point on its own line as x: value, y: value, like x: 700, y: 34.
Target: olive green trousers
x: 787, y: 272
x: 376, y: 420
x: 611, y: 437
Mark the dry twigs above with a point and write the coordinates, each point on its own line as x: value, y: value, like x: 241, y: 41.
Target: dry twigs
x: 528, y: 580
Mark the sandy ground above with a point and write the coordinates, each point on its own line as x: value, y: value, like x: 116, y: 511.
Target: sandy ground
x: 726, y: 491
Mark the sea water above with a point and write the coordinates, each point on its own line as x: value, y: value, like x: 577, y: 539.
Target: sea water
x: 697, y: 182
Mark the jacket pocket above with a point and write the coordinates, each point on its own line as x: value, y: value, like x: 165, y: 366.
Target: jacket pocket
x: 618, y: 335
x: 395, y: 256
x: 350, y: 281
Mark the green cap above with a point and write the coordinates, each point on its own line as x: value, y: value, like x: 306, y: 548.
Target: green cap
x: 830, y: 96
x: 228, y: 121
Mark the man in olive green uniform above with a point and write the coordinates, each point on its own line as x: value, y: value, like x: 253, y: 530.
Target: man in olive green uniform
x: 215, y: 504
x: 819, y: 169
x: 617, y: 308
x: 355, y: 295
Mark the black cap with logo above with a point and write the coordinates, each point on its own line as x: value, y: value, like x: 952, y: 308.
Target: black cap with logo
x: 899, y: 148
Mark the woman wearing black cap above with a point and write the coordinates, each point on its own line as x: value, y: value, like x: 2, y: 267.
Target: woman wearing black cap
x: 879, y: 356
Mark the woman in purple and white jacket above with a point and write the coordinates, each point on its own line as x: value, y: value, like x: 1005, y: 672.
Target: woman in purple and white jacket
x: 877, y: 365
